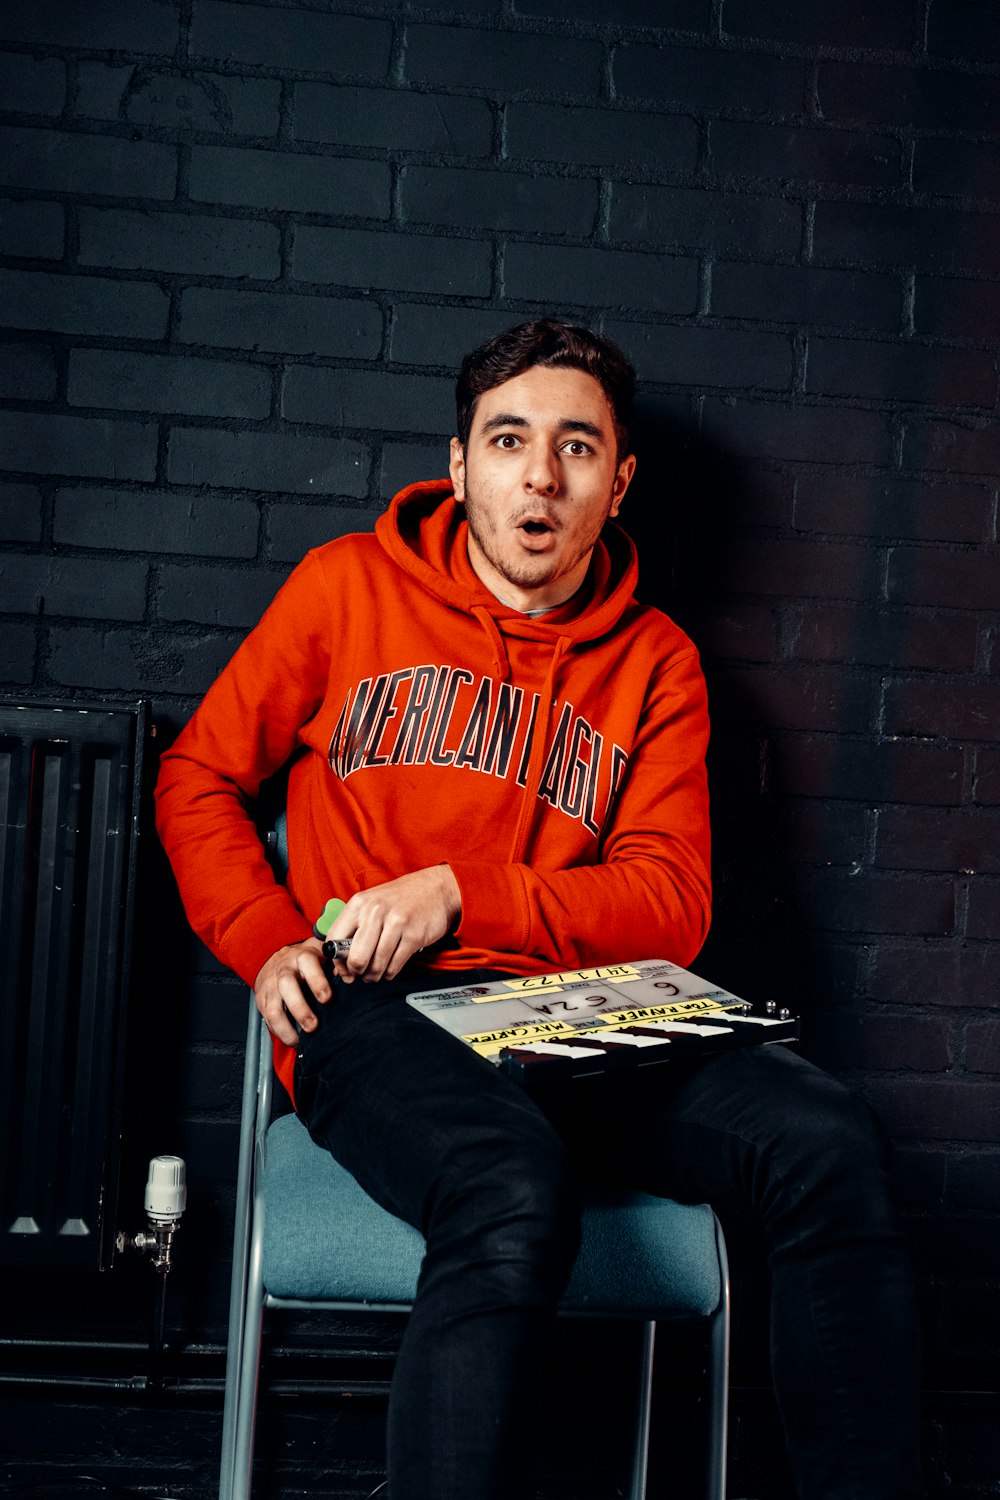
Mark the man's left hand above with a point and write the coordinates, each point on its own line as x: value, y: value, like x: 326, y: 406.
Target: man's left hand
x: 388, y: 924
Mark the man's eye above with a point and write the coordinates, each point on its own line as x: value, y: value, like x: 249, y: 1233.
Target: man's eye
x: 577, y: 448
x: 507, y: 440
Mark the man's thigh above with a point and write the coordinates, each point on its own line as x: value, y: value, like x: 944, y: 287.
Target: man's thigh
x: 717, y: 1130
x: 406, y: 1108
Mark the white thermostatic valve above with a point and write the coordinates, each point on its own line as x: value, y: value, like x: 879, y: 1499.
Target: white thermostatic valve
x: 166, y: 1188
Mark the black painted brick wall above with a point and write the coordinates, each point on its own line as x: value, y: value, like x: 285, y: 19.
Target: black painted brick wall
x: 242, y: 248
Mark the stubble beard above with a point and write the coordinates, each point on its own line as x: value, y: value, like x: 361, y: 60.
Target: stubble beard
x: 532, y: 569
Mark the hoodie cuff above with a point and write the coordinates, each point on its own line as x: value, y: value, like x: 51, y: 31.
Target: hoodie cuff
x: 494, y: 906
x: 269, y: 924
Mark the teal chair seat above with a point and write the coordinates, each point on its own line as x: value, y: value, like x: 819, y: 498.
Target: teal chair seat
x: 325, y: 1240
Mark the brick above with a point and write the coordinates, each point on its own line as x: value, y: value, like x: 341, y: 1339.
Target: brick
x: 982, y: 1046
x: 294, y: 529
x: 405, y: 463
x: 138, y: 660
x: 987, y: 780
x: 824, y: 833
x: 974, y: 1181
x: 917, y: 98
x: 423, y: 334
x: 694, y: 356
x: 44, y: 161
x: 287, y: 180
x: 363, y: 398
x: 937, y: 1109
x: 955, y: 580
x: 954, y: 307
x: 933, y: 839
x: 42, y: 443
x: 795, y: 152
x: 967, y: 449
x: 709, y: 78
x: 158, y: 382
x: 967, y: 709
x: 31, y: 229
x: 181, y: 101
x: 891, y: 26
x: 602, y: 137
x: 30, y: 85
x: 901, y: 372
x: 206, y: 102
x: 282, y: 322
x: 741, y: 632
x: 956, y: 169
x: 815, y: 434
x: 87, y: 588
x: 399, y: 262
x: 20, y: 513
x: 858, y: 902
x: 802, y: 569
x: 155, y: 521
x: 807, y: 295
x: 683, y: 15
x: 18, y: 648
x: 890, y: 508
x: 27, y: 372
x: 701, y: 220
x: 390, y: 118
x: 886, y: 638
x: 141, y: 26
x: 926, y: 239
x: 793, y: 698
x: 268, y: 461
x: 920, y: 1044
x: 179, y: 242
x: 600, y: 278
x: 984, y: 911
x: 304, y: 40
x: 216, y: 596
x: 968, y: 30
x: 82, y: 304
x: 937, y: 974
x: 503, y: 62
x: 809, y: 765
x: 499, y: 200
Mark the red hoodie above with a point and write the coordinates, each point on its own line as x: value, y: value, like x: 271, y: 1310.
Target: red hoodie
x: 557, y: 764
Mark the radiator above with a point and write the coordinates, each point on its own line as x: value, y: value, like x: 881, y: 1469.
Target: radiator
x: 69, y: 804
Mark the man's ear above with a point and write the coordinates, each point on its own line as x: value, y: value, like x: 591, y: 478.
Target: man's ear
x: 456, y: 468
x: 622, y: 481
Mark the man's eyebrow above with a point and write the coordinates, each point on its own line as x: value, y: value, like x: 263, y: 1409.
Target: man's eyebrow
x: 568, y: 424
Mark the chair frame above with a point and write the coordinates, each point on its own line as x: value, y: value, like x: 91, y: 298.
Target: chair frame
x: 249, y: 1299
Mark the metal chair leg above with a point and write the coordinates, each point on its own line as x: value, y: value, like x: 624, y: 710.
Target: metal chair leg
x: 640, y: 1450
x: 718, y: 1395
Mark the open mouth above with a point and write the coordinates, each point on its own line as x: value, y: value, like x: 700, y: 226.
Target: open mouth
x: 535, y: 528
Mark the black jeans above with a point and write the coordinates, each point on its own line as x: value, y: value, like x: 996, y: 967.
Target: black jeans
x: 439, y: 1137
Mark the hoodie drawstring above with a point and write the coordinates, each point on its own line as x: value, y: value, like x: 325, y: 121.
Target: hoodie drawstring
x: 538, y: 744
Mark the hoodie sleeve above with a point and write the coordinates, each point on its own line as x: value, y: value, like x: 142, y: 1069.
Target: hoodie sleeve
x: 245, y: 729
x: 649, y: 895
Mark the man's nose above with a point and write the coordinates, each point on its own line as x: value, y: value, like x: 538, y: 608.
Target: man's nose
x: 541, y: 473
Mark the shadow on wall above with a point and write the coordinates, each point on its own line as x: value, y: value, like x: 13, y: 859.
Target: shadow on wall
x: 684, y: 513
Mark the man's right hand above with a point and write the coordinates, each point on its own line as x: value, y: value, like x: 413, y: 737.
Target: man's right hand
x: 278, y: 989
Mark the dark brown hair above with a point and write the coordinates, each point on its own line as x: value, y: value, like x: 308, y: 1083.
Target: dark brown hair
x: 547, y: 341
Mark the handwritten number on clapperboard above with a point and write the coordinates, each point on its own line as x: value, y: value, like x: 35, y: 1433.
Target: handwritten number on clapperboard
x: 569, y: 1005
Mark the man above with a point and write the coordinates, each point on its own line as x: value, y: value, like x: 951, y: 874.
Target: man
x: 499, y: 764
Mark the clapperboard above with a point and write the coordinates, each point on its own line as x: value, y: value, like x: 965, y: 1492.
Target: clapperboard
x: 585, y: 1022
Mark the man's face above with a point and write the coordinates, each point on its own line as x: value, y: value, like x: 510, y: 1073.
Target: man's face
x: 539, y: 477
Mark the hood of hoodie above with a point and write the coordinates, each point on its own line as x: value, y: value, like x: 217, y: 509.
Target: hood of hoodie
x: 425, y: 532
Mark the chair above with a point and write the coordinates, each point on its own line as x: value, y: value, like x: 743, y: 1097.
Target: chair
x: 307, y: 1236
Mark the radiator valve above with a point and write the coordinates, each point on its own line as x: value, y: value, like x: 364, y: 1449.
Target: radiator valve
x: 166, y: 1200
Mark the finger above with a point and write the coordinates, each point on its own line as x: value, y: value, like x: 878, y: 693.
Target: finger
x: 295, y: 1000
x: 276, y: 1019
x: 310, y: 967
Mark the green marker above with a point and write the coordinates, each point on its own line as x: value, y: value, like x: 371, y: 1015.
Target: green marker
x: 332, y: 947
